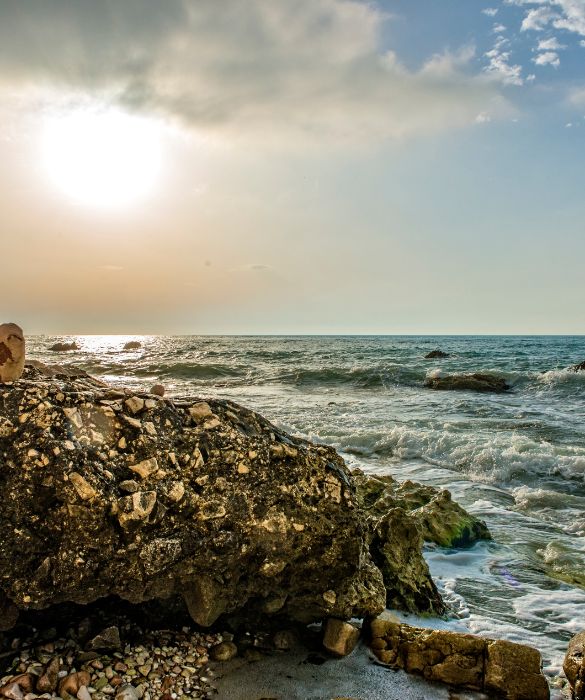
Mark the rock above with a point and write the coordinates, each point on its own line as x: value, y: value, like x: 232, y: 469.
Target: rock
x: 224, y: 651
x: 436, y: 354
x: 83, y: 693
x: 48, y: 680
x: 64, y: 347
x: 158, y: 390
x: 340, y: 637
x: 73, y: 682
x: 132, y: 345
x: 574, y: 665
x: 134, y: 404
x: 286, y: 639
x: 505, y: 669
x: 127, y: 692
x: 289, y: 530
x: 25, y: 682
x: 12, y: 691
x: 12, y: 352
x: 106, y: 640
x: 469, y: 382
x: 579, y: 368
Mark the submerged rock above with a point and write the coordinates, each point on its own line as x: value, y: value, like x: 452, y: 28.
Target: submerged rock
x: 574, y: 666
x: 12, y: 352
x: 64, y: 347
x: 109, y: 493
x: 579, y: 368
x: 497, y: 667
x: 436, y: 354
x: 469, y: 382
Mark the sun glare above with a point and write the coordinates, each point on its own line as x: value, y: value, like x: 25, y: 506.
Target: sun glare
x: 102, y: 158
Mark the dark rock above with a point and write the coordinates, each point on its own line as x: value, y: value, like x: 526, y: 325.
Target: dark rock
x: 224, y: 651
x: 47, y: 682
x: 106, y: 640
x: 579, y: 368
x: 158, y: 390
x: 574, y: 666
x: 501, y: 668
x: 436, y: 354
x: 132, y: 345
x: 64, y: 347
x: 469, y: 382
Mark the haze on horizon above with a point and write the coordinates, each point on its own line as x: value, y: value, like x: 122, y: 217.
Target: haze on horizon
x: 292, y: 166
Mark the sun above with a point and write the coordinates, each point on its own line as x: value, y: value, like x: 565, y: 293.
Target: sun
x: 103, y: 158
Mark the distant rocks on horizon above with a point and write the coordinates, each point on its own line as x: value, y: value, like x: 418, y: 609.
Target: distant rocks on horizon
x: 12, y: 352
x: 64, y: 347
x: 435, y: 354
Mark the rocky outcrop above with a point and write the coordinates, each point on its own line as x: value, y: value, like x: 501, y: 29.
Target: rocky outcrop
x: 436, y: 355
x: 469, y: 382
x: 112, y: 493
x: 64, y: 347
x: 574, y: 666
x: 501, y: 668
x: 439, y: 519
x: 12, y: 352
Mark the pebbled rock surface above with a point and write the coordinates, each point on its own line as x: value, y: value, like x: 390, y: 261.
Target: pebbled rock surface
x: 500, y: 668
x: 484, y: 383
x: 108, y: 492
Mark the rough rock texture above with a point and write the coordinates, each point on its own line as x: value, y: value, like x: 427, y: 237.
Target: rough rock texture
x: 574, y: 666
x: 469, y: 382
x: 106, y: 492
x: 440, y: 519
x: 436, y: 354
x: 497, y: 667
x: 12, y: 352
x: 340, y: 638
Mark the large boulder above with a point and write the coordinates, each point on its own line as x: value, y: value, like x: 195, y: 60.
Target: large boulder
x: 12, y: 352
x: 107, y: 492
x: 574, y: 666
x: 482, y: 382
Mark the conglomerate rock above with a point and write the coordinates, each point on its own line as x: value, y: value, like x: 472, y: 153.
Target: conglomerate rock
x: 111, y: 493
x: 503, y: 669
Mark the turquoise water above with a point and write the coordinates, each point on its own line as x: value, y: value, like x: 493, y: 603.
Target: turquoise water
x: 517, y: 460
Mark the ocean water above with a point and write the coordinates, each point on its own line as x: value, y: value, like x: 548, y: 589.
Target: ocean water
x: 517, y: 460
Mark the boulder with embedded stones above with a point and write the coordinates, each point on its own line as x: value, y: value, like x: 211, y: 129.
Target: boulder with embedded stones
x: 12, y: 352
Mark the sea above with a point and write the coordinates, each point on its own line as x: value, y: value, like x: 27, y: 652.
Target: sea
x: 516, y: 460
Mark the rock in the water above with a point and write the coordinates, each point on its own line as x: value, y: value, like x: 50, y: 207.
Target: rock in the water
x: 436, y: 354
x: 287, y: 528
x: 12, y: 352
x: 340, y: 637
x: 579, y: 368
x: 574, y: 666
x: 158, y: 390
x: 132, y: 345
x: 64, y: 347
x: 505, y: 669
x: 469, y: 382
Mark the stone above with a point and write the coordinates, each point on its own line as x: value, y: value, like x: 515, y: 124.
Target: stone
x: 73, y: 682
x: 47, y: 682
x: 481, y: 382
x: 132, y: 345
x: 11, y: 690
x: 134, y: 404
x: 84, y: 489
x: 127, y: 692
x: 574, y: 665
x: 224, y: 651
x: 579, y: 367
x: 83, y: 693
x: 64, y: 347
x: 200, y: 411
x: 158, y: 390
x: 500, y: 668
x: 107, y: 640
x: 146, y: 468
x: 340, y: 637
x: 284, y: 640
x: 12, y: 352
x: 436, y: 354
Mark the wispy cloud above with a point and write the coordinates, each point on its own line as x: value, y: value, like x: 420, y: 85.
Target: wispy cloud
x: 548, y: 58
x: 490, y: 11
x: 313, y: 69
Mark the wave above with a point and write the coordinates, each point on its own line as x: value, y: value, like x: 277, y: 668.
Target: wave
x: 187, y: 370
x: 358, y: 377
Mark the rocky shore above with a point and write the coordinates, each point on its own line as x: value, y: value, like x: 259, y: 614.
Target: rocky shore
x: 208, y: 512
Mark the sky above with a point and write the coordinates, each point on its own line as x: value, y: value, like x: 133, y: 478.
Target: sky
x: 292, y: 166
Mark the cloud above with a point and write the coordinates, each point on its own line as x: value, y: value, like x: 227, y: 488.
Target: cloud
x: 490, y: 11
x: 551, y: 44
x: 568, y: 15
x: 577, y: 96
x: 549, y: 58
x: 499, y: 28
x: 268, y: 70
x: 500, y: 68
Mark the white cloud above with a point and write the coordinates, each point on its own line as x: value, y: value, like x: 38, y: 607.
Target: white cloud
x: 561, y: 14
x: 537, y: 20
x: 577, y: 96
x: 490, y: 11
x: 551, y: 44
x: 483, y: 118
x: 500, y: 68
x: 549, y: 58
x: 499, y: 28
x: 263, y: 69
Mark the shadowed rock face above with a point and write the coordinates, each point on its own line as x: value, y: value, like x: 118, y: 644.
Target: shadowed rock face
x: 106, y: 492
x: 469, y: 382
x: 12, y: 352
x: 574, y: 666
